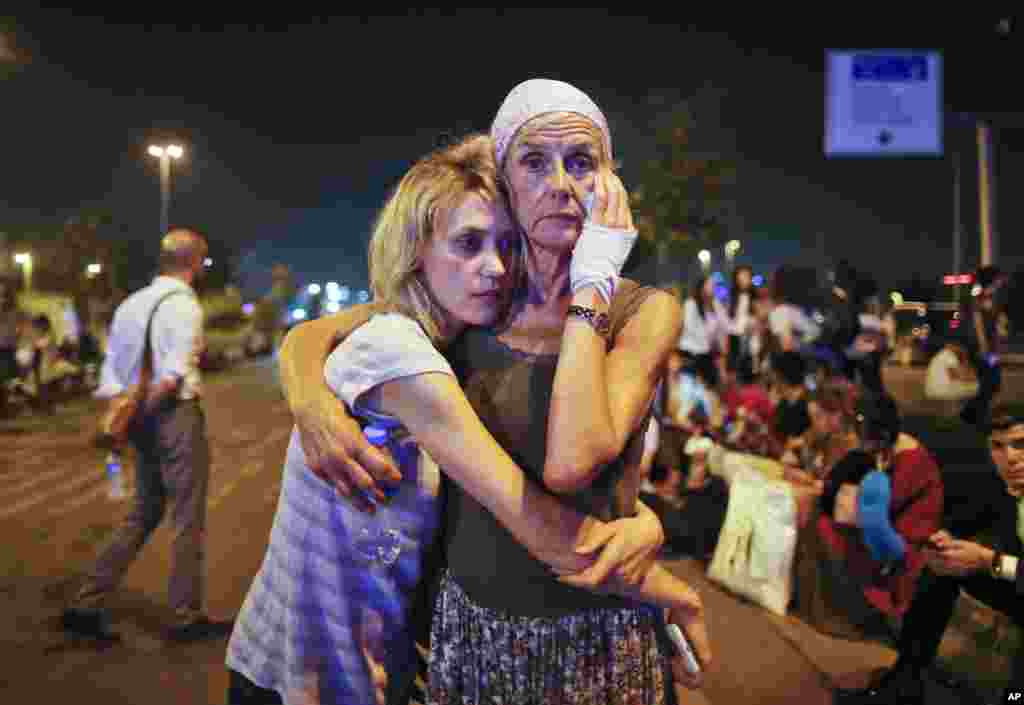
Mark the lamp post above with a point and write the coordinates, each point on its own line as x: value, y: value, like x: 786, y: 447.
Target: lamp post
x: 165, y: 154
x: 25, y: 260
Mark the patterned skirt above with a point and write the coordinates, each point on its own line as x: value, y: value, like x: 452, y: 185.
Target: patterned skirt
x: 481, y: 656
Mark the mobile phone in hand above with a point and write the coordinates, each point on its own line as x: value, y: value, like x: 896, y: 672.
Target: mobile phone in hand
x: 683, y: 648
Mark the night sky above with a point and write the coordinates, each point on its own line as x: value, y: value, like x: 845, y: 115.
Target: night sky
x: 295, y: 133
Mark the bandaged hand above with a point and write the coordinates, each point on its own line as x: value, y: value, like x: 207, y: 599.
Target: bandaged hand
x: 607, y: 238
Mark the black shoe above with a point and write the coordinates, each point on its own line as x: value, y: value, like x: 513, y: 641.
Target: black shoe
x: 200, y: 628
x: 898, y: 686
x: 93, y: 624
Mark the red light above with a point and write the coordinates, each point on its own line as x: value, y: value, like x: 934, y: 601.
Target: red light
x: 952, y: 279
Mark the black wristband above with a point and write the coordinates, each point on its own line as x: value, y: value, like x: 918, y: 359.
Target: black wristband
x: 599, y: 321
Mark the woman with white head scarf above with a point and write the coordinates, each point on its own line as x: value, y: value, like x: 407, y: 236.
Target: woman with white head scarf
x: 565, y: 383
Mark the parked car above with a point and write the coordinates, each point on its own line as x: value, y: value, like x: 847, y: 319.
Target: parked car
x: 230, y: 333
x: 921, y: 329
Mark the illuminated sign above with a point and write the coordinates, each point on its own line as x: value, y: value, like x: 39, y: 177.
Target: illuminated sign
x: 953, y: 279
x: 883, y: 103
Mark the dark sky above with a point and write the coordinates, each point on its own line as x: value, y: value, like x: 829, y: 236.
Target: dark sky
x: 294, y: 133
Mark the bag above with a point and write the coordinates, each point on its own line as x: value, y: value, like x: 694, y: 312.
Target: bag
x: 757, y: 543
x: 123, y: 410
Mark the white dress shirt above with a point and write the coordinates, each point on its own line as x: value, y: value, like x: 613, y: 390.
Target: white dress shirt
x: 176, y: 341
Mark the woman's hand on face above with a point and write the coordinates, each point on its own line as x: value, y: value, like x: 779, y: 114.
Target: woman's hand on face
x: 338, y: 453
x: 627, y: 548
x: 611, y: 202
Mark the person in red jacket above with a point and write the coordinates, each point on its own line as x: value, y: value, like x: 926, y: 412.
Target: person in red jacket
x: 841, y: 587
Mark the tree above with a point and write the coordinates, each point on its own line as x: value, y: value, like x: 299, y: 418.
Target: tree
x: 224, y: 264
x: 685, y: 200
x: 63, y: 251
x: 12, y: 57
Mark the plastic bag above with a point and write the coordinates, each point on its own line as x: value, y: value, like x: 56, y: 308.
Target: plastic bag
x: 756, y: 547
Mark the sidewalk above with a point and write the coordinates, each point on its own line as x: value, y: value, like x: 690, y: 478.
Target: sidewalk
x: 760, y: 658
x: 764, y: 659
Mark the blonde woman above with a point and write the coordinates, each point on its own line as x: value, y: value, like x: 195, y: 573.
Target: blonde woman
x: 565, y: 383
x: 324, y: 624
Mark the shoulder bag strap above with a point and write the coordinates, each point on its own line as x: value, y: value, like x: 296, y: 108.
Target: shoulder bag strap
x: 147, y: 351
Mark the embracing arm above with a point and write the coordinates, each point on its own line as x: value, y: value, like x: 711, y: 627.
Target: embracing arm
x: 437, y: 413
x: 305, y: 349
x: 600, y: 396
x: 331, y: 439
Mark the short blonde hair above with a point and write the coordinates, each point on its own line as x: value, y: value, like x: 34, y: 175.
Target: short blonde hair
x: 436, y: 184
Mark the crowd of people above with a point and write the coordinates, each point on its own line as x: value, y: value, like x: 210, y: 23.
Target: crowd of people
x: 37, y: 366
x: 491, y: 459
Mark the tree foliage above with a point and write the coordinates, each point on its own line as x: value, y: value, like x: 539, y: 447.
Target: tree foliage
x: 685, y: 199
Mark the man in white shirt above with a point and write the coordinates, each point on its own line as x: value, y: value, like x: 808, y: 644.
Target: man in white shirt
x: 173, y: 455
x: 990, y: 574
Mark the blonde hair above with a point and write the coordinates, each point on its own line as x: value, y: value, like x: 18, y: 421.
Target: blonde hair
x: 436, y: 184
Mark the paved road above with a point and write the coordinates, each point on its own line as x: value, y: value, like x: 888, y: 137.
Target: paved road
x: 54, y: 512
x: 906, y: 384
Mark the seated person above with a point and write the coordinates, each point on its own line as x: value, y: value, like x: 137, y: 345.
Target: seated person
x: 863, y: 487
x: 49, y: 367
x: 841, y: 586
x: 829, y: 437
x: 689, y: 501
x: 698, y: 407
x: 749, y: 413
x: 990, y: 574
x: 660, y: 492
x: 950, y: 376
x: 791, y: 415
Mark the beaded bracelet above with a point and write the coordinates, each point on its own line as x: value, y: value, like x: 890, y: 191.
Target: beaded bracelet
x: 599, y: 321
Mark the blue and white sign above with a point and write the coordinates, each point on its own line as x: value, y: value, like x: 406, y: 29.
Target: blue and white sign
x: 883, y: 103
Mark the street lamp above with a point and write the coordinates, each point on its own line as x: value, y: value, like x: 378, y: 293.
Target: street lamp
x: 25, y: 260
x: 705, y: 259
x: 165, y: 155
x: 93, y: 269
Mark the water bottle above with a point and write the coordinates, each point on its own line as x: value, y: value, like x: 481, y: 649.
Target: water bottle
x: 114, y: 475
x: 378, y: 542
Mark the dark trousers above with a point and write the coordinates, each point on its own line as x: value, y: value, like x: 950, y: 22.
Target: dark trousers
x: 870, y: 370
x: 173, y: 465
x: 990, y: 379
x: 933, y: 607
x: 242, y: 691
